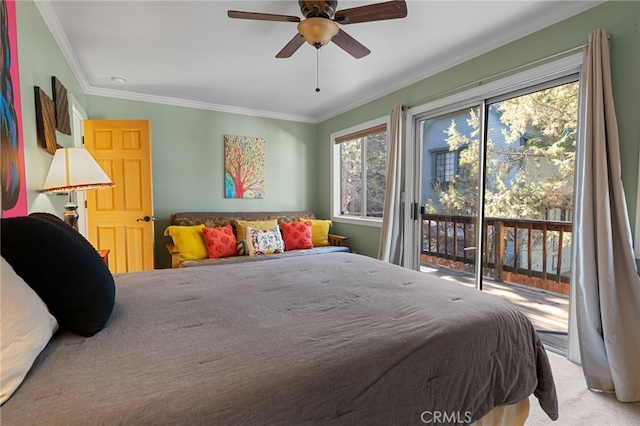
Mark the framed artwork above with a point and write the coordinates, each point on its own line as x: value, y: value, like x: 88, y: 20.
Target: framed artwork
x: 14, y: 185
x: 243, y: 167
x: 45, y: 121
x: 63, y: 124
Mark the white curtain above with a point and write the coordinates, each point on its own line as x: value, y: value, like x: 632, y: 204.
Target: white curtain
x: 391, y: 237
x: 606, y: 282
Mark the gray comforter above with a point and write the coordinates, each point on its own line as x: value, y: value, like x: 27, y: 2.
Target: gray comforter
x: 335, y: 338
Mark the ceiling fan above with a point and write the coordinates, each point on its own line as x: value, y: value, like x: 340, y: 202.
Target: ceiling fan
x: 320, y: 25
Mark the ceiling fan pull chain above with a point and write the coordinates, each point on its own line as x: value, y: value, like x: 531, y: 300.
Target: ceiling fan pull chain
x: 317, y: 70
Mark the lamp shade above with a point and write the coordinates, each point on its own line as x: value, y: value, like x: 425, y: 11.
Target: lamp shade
x: 74, y: 169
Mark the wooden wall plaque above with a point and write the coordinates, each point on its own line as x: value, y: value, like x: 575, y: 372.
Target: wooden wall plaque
x: 63, y: 123
x: 45, y: 121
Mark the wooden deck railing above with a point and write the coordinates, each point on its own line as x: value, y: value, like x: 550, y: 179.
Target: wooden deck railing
x: 523, y: 247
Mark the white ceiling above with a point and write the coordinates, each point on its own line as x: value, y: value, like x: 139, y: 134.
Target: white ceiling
x: 189, y: 53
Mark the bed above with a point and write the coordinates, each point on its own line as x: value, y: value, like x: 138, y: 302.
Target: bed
x: 332, y: 339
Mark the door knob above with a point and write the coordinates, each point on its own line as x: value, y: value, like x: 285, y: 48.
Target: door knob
x: 144, y: 219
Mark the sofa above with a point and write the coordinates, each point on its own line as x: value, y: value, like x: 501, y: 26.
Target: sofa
x: 188, y: 245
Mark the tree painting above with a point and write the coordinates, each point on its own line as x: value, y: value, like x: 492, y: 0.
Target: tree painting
x: 243, y: 167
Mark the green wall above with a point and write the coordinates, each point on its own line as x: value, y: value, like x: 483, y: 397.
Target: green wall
x: 187, y: 144
x: 39, y: 59
x: 620, y: 19
x: 188, y: 160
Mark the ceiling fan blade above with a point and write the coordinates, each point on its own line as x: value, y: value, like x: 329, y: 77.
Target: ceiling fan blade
x: 261, y: 16
x: 291, y: 47
x: 350, y: 45
x: 373, y: 12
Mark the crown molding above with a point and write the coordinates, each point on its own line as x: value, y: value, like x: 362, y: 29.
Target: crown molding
x: 559, y: 12
x: 51, y: 20
x: 133, y: 96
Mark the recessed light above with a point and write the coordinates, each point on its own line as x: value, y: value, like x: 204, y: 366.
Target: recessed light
x: 118, y: 80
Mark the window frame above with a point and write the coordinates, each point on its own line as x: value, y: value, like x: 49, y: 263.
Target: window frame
x: 336, y: 215
x: 454, y: 164
x: 467, y: 98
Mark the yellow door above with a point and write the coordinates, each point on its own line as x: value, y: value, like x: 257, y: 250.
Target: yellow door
x: 120, y: 219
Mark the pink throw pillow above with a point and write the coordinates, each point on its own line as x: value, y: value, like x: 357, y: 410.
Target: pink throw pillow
x: 220, y: 241
x: 297, y: 235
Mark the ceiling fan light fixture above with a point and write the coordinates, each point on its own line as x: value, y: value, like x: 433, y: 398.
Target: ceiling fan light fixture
x: 318, y: 31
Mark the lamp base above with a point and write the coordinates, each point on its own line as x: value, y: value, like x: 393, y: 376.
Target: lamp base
x: 71, y: 214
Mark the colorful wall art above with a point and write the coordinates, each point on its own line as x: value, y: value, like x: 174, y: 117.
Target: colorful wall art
x: 243, y: 167
x: 14, y: 186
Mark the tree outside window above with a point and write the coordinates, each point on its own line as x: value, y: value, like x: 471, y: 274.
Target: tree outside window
x: 530, y: 164
x: 363, y: 168
x: 530, y: 159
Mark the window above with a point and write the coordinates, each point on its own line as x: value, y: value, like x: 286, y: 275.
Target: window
x: 359, y: 172
x: 446, y: 168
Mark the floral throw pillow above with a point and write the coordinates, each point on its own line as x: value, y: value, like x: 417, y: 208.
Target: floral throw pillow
x: 220, y: 241
x: 241, y: 226
x: 267, y: 241
x: 297, y: 235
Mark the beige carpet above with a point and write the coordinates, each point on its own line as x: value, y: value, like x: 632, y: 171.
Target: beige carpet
x: 579, y: 406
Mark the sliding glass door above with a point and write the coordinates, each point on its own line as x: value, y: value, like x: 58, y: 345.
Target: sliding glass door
x: 506, y: 163
x: 449, y: 147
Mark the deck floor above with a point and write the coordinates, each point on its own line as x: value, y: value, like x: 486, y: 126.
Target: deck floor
x: 547, y: 311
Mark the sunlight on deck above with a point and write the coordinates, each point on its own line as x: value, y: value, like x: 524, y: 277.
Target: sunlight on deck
x: 547, y: 311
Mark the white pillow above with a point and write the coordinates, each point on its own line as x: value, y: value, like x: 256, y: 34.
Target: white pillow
x: 268, y: 241
x: 26, y: 328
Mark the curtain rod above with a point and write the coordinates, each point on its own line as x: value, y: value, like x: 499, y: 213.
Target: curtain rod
x: 480, y: 81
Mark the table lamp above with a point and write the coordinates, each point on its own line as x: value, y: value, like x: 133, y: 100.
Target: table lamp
x: 74, y: 169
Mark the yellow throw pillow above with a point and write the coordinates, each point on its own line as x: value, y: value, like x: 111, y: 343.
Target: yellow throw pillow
x: 263, y: 225
x: 189, y: 241
x: 319, y: 231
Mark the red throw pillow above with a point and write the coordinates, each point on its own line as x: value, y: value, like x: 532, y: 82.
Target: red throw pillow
x: 220, y: 241
x: 297, y: 235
